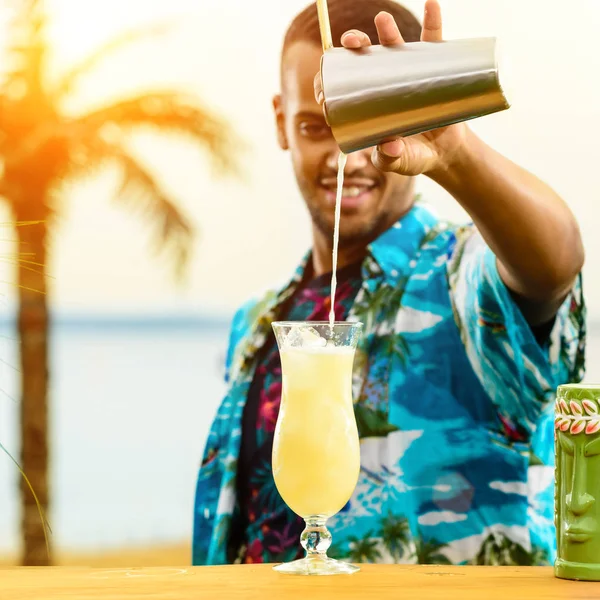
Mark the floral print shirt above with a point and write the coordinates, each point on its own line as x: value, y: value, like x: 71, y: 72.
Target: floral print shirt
x: 453, y: 400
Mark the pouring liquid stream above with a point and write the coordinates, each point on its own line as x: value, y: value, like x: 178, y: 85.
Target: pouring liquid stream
x: 336, y: 232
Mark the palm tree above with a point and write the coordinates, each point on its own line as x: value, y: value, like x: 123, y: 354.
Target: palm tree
x: 428, y: 552
x: 41, y: 146
x: 372, y: 422
x: 364, y: 550
x: 499, y: 550
x: 395, y: 533
x: 538, y: 557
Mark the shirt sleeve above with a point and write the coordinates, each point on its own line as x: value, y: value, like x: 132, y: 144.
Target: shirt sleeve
x: 212, y: 470
x: 239, y: 326
x: 519, y: 374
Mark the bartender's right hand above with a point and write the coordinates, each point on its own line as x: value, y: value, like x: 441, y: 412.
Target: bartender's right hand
x: 423, y: 153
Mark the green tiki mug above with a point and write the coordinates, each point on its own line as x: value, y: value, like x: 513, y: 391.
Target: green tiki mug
x: 577, y: 491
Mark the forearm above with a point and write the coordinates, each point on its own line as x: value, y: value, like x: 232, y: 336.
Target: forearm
x: 526, y: 224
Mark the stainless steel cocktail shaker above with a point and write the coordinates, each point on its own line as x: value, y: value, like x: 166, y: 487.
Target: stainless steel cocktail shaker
x: 378, y: 93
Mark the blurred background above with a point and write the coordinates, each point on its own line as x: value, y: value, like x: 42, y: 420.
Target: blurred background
x: 136, y: 358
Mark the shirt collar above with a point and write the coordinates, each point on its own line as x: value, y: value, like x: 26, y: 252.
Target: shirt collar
x: 395, y: 249
x: 392, y: 251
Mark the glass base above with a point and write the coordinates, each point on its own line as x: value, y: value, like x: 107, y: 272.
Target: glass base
x: 315, y: 540
x: 316, y: 565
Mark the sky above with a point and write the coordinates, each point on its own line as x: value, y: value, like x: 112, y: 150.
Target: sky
x: 253, y: 232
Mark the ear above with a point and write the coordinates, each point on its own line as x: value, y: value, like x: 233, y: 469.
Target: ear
x: 280, y: 122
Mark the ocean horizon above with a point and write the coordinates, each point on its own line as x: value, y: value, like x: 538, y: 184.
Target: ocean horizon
x: 123, y: 319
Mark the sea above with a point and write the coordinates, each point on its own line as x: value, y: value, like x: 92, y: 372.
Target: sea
x: 131, y: 402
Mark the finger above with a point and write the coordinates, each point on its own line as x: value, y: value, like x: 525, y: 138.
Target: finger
x: 389, y: 34
x: 355, y: 39
x: 392, y: 149
x: 390, y: 157
x: 432, y: 22
x: 319, y: 97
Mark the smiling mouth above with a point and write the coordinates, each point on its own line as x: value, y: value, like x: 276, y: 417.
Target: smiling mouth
x: 349, y: 191
x: 354, y: 195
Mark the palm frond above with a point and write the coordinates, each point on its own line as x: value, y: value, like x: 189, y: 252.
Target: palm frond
x: 141, y: 191
x: 365, y: 549
x: 45, y: 523
x: 28, y: 47
x: 163, y: 112
x: 172, y: 112
x: 71, y: 79
x: 23, y: 223
x: 395, y: 533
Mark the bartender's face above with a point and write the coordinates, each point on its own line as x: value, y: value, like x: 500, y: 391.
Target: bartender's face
x: 372, y: 201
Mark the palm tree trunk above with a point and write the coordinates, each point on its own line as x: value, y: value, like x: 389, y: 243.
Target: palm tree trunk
x: 33, y: 337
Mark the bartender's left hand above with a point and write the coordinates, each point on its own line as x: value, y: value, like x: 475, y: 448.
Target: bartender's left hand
x: 423, y: 153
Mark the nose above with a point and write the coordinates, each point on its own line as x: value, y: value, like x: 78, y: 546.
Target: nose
x: 579, y: 504
x: 355, y: 161
x: 579, y: 501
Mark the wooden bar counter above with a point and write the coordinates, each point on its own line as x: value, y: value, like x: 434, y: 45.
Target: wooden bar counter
x: 260, y: 582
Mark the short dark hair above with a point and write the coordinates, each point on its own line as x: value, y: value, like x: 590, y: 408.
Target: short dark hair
x: 350, y: 14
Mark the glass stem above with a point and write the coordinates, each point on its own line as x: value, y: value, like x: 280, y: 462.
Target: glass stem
x: 315, y: 538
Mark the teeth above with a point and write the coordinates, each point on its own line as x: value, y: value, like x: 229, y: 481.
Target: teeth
x: 351, y: 192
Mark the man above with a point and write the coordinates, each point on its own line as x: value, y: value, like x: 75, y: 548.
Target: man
x: 468, y: 331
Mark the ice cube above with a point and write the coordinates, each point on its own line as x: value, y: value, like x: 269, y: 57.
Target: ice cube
x: 304, y: 337
x: 294, y: 338
x: 311, y: 338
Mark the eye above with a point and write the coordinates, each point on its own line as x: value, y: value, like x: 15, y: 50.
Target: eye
x: 593, y: 448
x: 314, y: 130
x: 566, y: 444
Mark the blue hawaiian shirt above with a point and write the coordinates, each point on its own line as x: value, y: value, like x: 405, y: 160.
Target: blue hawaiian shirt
x: 453, y: 400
